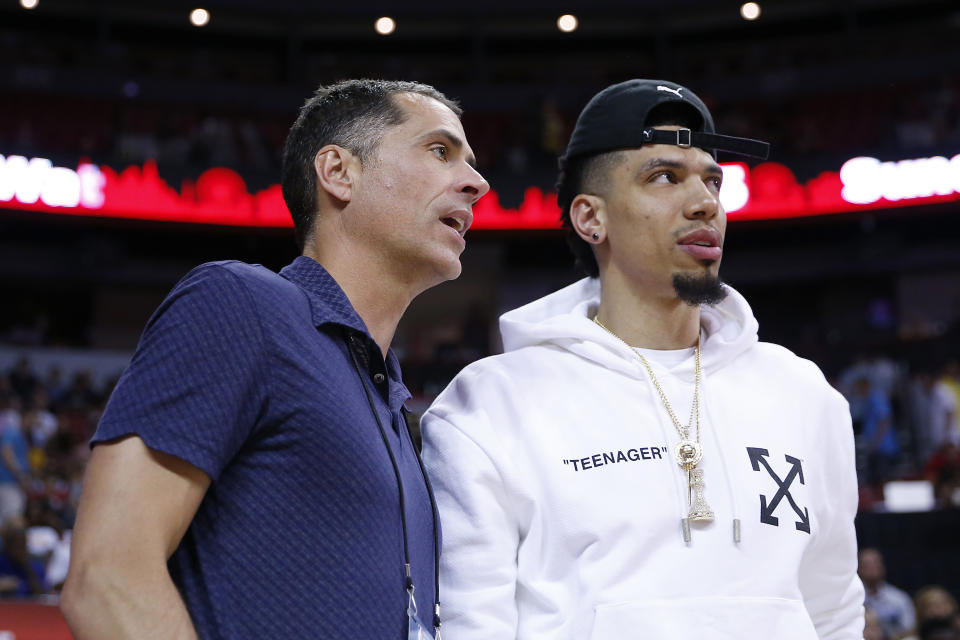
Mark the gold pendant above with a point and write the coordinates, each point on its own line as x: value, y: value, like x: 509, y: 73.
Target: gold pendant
x: 688, y: 454
x: 699, y: 509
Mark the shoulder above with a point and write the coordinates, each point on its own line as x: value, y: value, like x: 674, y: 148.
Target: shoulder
x: 494, y: 387
x: 477, y: 415
x: 213, y: 303
x: 229, y: 275
x: 230, y: 286
x: 507, y: 370
x: 775, y: 369
x: 793, y: 368
x: 779, y: 356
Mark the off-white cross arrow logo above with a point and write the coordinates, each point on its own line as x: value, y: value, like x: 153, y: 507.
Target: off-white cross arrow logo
x: 660, y: 87
x: 758, y: 457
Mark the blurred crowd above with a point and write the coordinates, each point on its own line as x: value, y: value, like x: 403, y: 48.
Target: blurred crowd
x: 906, y: 425
x: 45, y: 424
x: 892, y: 614
x: 902, y: 122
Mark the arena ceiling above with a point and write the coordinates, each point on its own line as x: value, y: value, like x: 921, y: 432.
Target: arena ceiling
x: 527, y: 17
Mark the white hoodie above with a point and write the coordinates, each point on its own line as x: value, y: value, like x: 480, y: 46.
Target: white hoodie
x: 561, y: 502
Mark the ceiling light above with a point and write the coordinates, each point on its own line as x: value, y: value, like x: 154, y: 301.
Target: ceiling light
x: 199, y: 17
x: 385, y: 25
x: 567, y: 23
x: 29, y: 4
x: 750, y: 11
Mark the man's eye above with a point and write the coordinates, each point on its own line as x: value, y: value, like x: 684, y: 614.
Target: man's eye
x: 662, y: 176
x: 715, y: 182
x: 440, y: 151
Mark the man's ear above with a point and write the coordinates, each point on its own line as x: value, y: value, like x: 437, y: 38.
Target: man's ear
x: 588, y: 217
x: 335, y: 168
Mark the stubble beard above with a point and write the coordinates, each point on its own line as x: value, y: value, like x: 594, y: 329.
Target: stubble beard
x: 697, y: 289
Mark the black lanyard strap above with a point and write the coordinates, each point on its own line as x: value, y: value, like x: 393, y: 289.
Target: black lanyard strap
x: 408, y: 580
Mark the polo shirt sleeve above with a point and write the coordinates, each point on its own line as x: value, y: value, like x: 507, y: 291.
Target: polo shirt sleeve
x: 196, y: 384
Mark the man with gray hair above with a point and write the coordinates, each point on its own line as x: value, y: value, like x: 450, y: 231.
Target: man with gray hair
x: 252, y: 475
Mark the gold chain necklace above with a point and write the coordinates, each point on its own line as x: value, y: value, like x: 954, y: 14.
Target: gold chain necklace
x: 687, y: 452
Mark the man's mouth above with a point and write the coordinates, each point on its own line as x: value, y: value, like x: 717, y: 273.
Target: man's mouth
x: 456, y: 223
x: 703, y: 244
x: 459, y: 221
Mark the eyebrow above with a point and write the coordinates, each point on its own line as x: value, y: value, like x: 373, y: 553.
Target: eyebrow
x: 453, y: 140
x: 656, y: 163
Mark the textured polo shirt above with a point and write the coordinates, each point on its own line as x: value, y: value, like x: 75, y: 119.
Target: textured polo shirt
x: 247, y: 375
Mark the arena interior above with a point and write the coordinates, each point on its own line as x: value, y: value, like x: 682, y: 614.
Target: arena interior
x: 135, y: 145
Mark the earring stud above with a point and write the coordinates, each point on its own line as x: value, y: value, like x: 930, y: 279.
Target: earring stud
x: 596, y: 236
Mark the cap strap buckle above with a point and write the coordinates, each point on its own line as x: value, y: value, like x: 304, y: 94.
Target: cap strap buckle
x: 683, y: 138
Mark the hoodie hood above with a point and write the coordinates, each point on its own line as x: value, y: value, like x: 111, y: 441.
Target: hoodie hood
x: 565, y: 319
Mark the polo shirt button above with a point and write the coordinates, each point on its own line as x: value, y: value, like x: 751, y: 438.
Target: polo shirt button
x: 379, y: 378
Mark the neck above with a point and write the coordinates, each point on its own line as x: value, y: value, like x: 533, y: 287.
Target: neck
x: 645, y: 319
x: 375, y: 295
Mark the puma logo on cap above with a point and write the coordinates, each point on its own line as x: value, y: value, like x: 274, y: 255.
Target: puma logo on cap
x: 660, y: 87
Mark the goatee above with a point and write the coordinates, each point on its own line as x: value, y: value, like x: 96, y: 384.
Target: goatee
x: 699, y: 289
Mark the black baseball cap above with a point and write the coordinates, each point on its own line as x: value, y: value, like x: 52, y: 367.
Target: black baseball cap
x: 616, y: 118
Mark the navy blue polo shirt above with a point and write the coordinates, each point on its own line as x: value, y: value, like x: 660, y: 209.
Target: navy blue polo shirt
x: 246, y: 374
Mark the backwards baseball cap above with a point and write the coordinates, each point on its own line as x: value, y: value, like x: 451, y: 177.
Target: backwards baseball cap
x: 616, y: 118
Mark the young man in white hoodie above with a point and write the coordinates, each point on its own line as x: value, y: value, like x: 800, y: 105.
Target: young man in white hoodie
x: 636, y: 464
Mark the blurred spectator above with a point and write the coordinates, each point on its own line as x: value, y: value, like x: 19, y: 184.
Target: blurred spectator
x: 944, y: 425
x: 936, y: 611
x: 80, y: 395
x: 55, y: 386
x: 51, y: 548
x: 22, y: 380
x: 943, y: 471
x: 871, y: 628
x: 882, y: 372
x: 41, y: 424
x: 877, y: 436
x: 9, y: 409
x: 938, y: 629
x: 846, y: 385
x: 934, y: 602
x: 48, y: 538
x: 20, y: 574
x: 14, y: 463
x: 553, y: 129
x: 921, y: 406
x: 892, y: 607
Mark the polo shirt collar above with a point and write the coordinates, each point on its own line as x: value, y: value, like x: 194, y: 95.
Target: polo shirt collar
x: 330, y: 305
